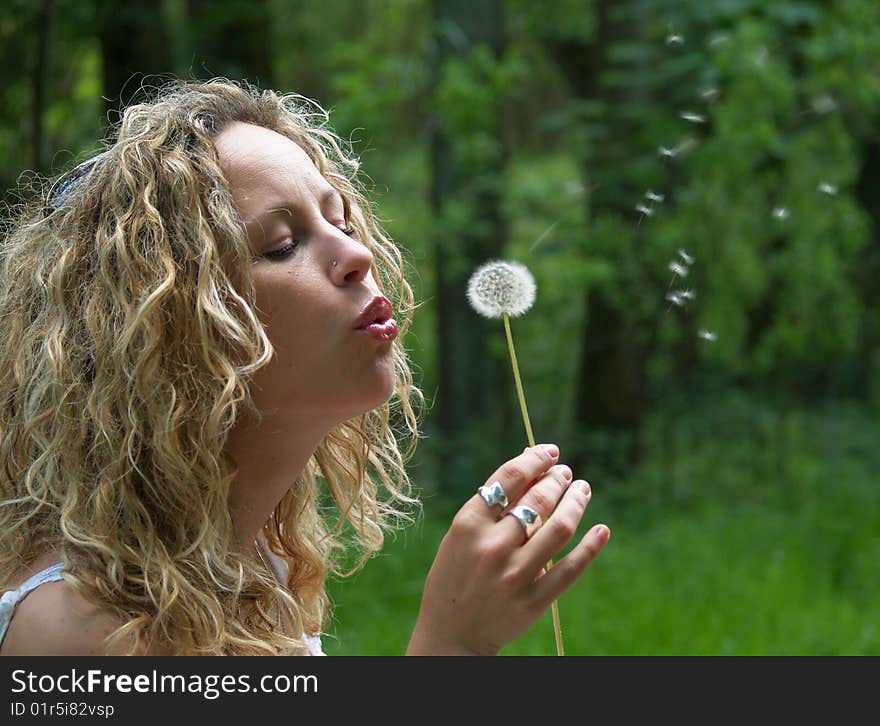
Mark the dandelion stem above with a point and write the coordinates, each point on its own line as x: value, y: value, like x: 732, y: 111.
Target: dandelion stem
x: 557, y: 628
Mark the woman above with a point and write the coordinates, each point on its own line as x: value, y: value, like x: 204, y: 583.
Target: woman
x: 202, y: 340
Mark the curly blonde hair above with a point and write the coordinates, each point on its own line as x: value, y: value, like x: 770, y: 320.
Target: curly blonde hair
x: 129, y: 339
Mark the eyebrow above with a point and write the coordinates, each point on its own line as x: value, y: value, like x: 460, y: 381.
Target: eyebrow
x: 328, y: 195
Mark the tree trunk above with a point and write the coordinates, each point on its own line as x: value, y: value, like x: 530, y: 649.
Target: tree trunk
x: 134, y: 44
x: 474, y: 387
x: 42, y: 69
x: 610, y: 393
x: 232, y: 39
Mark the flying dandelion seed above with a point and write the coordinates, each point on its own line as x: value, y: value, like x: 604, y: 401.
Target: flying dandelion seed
x: 710, y: 94
x: 674, y: 39
x: 543, y: 236
x: 718, y: 39
x: 708, y: 335
x: 780, y: 213
x: 654, y: 197
x: 760, y: 58
x: 574, y: 188
x: 826, y: 188
x: 678, y: 269
x: 675, y: 298
x: 693, y: 117
x: 688, y: 260
x: 686, y: 145
x: 687, y: 294
x: 646, y: 211
x: 664, y: 151
x: 823, y: 104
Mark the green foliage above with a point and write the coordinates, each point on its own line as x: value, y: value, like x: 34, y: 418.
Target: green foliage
x: 748, y: 530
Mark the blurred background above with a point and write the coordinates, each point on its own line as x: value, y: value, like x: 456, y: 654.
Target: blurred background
x: 695, y: 186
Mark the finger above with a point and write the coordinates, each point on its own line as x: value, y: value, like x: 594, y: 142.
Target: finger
x: 515, y: 475
x: 557, y: 530
x: 563, y: 574
x: 542, y: 497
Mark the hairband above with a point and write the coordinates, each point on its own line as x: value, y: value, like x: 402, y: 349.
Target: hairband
x: 64, y: 186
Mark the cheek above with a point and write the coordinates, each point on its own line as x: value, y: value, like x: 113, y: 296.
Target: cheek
x: 294, y: 317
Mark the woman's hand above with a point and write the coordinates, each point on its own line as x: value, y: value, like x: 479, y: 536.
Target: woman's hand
x: 487, y: 584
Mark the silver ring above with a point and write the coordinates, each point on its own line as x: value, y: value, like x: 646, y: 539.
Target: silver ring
x: 528, y: 518
x: 493, y: 494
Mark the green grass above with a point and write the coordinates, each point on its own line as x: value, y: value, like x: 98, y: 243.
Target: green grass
x: 779, y: 558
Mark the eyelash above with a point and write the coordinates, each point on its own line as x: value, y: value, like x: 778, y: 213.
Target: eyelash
x: 287, y: 251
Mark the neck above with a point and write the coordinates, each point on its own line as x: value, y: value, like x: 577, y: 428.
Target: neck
x: 270, y: 457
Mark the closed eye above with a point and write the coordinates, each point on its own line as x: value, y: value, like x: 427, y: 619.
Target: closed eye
x: 285, y: 252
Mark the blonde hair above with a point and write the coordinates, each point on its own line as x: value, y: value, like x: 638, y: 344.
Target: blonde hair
x: 129, y: 338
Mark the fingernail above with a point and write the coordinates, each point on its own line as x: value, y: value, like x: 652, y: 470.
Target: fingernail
x: 564, y: 470
x: 551, y: 449
x: 583, y: 486
x: 603, y: 533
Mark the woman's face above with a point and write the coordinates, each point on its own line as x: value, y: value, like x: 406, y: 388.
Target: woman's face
x: 324, y: 368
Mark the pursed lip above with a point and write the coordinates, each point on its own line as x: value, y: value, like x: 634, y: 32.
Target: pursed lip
x: 378, y: 310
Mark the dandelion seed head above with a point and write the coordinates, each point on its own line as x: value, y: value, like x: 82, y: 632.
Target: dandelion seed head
x: 651, y: 196
x: 708, y: 335
x: 685, y: 256
x: 678, y: 269
x: 501, y: 286
x: 826, y: 188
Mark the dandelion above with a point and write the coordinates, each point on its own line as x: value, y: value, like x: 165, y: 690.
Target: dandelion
x: 826, y: 188
x: 709, y: 94
x: 675, y: 39
x: 780, y: 213
x: 651, y: 196
x: 664, y: 151
x: 677, y: 269
x: 646, y: 211
x: 688, y: 260
x: 505, y: 289
x: 500, y: 288
x: 708, y: 335
x: 687, y: 294
x: 696, y: 118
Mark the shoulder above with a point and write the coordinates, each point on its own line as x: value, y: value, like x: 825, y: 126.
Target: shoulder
x: 55, y: 619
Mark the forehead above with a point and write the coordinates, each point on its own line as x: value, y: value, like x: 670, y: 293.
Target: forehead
x: 262, y: 165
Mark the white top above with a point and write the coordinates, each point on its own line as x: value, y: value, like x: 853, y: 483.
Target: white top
x: 52, y: 573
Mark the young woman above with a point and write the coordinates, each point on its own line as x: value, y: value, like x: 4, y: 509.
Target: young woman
x: 201, y: 349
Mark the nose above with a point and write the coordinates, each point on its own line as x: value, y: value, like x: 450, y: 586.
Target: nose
x: 353, y: 259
